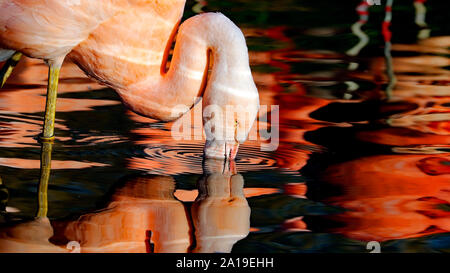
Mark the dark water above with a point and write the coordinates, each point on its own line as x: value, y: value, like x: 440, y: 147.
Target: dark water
x: 363, y: 149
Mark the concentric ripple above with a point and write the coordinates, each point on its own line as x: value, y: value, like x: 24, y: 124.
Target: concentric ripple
x: 188, y: 157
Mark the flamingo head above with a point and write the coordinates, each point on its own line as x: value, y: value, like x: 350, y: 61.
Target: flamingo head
x: 227, y: 123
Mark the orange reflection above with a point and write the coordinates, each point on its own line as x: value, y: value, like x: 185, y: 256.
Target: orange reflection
x: 393, y: 196
x: 142, y: 212
x: 24, y: 96
x: 29, y: 237
x: 221, y: 214
x: 294, y: 106
x: 143, y: 216
x: 404, y: 195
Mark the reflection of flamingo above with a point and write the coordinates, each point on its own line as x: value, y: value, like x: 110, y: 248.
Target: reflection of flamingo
x: 33, y: 236
x: 403, y: 195
x: 428, y: 120
x: 221, y: 214
x: 144, y: 216
x: 363, y: 12
x: 144, y: 211
x: 421, y: 12
x: 392, y: 196
x: 136, y: 67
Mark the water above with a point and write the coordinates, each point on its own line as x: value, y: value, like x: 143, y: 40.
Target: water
x: 363, y: 148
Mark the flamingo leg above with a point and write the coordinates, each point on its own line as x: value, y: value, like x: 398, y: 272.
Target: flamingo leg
x: 47, y: 136
x: 50, y: 106
x: 8, y: 67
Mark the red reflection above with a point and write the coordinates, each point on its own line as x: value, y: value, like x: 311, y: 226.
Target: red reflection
x: 392, y: 196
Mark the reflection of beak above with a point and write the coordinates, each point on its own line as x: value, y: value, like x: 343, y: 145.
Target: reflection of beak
x: 227, y: 168
x: 221, y: 149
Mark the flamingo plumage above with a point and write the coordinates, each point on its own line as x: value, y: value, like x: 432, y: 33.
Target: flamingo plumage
x: 125, y: 45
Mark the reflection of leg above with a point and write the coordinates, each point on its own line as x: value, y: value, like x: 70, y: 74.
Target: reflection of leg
x: 363, y: 40
x: 363, y: 12
x: 421, y: 12
x: 33, y: 236
x: 392, y: 80
x: 46, y: 157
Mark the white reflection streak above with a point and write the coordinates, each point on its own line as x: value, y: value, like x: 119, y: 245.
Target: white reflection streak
x: 363, y: 10
x: 421, y: 12
x: 387, y: 49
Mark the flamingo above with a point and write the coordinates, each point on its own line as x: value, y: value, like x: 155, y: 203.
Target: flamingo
x: 125, y: 44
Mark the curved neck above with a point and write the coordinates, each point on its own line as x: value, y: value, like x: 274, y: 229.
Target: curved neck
x: 162, y: 96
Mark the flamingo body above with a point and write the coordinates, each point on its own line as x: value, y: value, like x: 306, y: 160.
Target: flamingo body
x: 125, y: 44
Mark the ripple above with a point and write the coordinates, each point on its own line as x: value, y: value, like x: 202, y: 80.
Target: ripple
x: 187, y: 158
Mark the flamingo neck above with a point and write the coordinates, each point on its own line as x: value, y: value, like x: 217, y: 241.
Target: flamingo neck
x: 160, y: 96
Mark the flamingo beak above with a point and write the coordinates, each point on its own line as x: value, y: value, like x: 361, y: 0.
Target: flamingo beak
x: 221, y: 149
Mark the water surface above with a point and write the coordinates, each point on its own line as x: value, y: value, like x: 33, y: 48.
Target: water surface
x: 363, y: 151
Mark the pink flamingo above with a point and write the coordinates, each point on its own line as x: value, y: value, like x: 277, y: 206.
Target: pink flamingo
x: 125, y: 45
